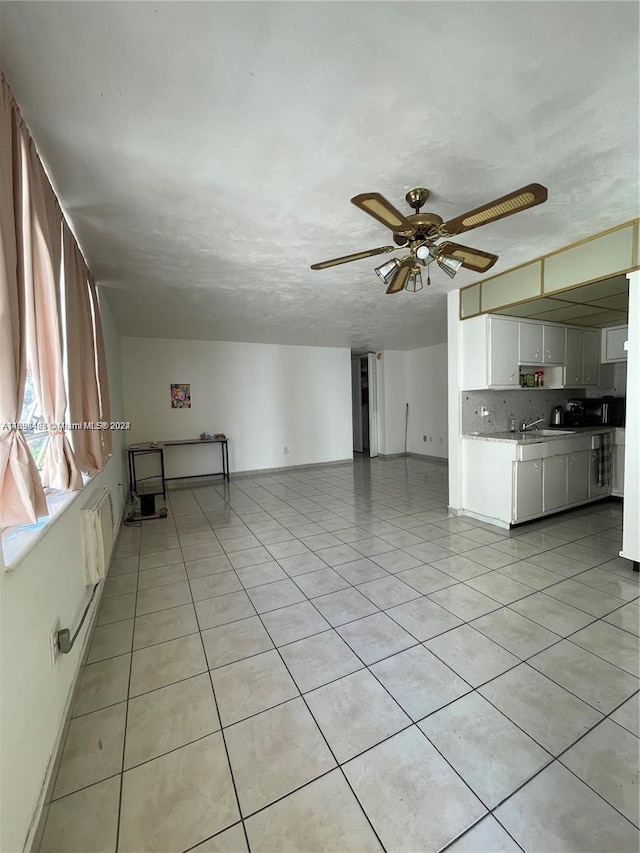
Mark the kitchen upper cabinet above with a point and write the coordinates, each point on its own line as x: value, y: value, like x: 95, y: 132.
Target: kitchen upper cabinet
x: 553, y: 344
x: 554, y: 482
x: 531, y: 345
x: 527, y: 489
x: 494, y: 348
x: 541, y: 343
x: 591, y: 357
x: 613, y: 341
x: 503, y: 352
x: 582, y: 357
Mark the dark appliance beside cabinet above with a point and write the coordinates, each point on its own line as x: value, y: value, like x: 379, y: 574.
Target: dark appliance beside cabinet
x: 617, y: 411
x: 595, y: 412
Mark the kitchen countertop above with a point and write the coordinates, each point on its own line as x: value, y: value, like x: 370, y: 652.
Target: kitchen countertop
x: 535, y: 437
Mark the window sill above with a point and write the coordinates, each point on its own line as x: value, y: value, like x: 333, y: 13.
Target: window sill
x: 21, y: 539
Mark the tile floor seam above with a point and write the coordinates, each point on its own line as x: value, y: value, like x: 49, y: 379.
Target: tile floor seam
x: 222, y: 734
x: 126, y: 716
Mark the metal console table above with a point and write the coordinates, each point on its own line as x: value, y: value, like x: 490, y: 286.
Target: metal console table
x: 145, y: 448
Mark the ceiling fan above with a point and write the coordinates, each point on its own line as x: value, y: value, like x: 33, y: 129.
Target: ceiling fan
x: 420, y: 232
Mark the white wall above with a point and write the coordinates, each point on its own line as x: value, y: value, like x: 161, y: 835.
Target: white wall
x: 393, y: 368
x: 417, y: 377
x: 630, y: 528
x: 48, y: 584
x: 427, y: 393
x: 264, y: 397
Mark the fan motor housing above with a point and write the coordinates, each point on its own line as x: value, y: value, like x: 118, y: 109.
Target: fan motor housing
x: 425, y: 224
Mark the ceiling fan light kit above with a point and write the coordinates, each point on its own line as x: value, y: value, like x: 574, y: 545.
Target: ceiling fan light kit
x: 449, y: 265
x: 388, y: 270
x: 421, y: 231
x: 414, y: 284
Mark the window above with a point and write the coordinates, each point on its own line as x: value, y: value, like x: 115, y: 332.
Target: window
x: 35, y: 427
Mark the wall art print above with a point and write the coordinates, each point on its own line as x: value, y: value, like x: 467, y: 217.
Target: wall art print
x: 181, y: 396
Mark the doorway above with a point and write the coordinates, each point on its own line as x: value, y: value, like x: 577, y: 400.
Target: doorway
x: 364, y: 404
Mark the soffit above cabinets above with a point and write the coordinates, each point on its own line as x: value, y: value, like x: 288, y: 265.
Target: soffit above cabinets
x: 599, y: 304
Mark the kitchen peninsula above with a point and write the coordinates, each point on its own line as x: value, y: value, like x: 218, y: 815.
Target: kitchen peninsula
x: 520, y: 476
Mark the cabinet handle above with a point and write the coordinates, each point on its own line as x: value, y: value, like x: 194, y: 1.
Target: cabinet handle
x: 587, y: 377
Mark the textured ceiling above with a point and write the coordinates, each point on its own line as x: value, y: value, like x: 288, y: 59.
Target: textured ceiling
x: 205, y: 153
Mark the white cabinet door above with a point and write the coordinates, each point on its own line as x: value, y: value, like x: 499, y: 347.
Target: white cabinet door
x: 573, y: 358
x: 527, y: 489
x: 591, y: 357
x: 618, y: 471
x: 503, y: 352
x: 530, y: 347
x: 613, y: 341
x: 595, y: 490
x: 554, y: 482
x: 578, y: 476
x: 553, y: 344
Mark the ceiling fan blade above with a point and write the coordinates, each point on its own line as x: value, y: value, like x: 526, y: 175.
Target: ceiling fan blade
x: 377, y: 206
x: 514, y: 202
x: 348, y: 258
x: 472, y: 259
x: 400, y: 279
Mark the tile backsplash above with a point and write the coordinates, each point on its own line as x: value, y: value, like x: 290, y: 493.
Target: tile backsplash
x: 530, y: 404
x: 522, y: 404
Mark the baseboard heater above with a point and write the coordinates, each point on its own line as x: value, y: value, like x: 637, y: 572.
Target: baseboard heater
x: 97, y: 544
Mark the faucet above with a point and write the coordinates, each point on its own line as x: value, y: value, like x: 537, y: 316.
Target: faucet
x: 526, y: 426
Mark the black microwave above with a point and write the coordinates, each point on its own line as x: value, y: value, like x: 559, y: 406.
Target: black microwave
x: 597, y: 411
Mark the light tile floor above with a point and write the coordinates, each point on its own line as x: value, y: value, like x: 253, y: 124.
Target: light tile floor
x: 322, y: 660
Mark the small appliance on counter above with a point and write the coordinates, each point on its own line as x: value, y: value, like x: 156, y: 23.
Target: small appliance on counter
x: 594, y: 412
x: 557, y: 416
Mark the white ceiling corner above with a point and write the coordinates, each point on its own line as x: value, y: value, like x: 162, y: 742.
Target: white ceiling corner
x: 205, y: 153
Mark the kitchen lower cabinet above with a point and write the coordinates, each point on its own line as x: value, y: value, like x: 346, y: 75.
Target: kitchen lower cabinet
x: 617, y: 483
x: 617, y: 486
x: 507, y: 481
x: 595, y: 490
x: 527, y: 489
x: 578, y: 477
x: 554, y: 483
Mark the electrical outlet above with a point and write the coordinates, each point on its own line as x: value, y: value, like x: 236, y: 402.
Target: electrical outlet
x: 424, y: 437
x: 54, y: 648
x: 484, y: 412
x: 286, y: 451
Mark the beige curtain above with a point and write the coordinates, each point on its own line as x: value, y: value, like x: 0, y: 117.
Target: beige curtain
x: 22, y: 498
x: 84, y: 395
x: 42, y: 233
x: 101, y: 369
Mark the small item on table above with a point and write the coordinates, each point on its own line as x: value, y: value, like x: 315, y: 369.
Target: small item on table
x: 205, y: 436
x: 219, y: 436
